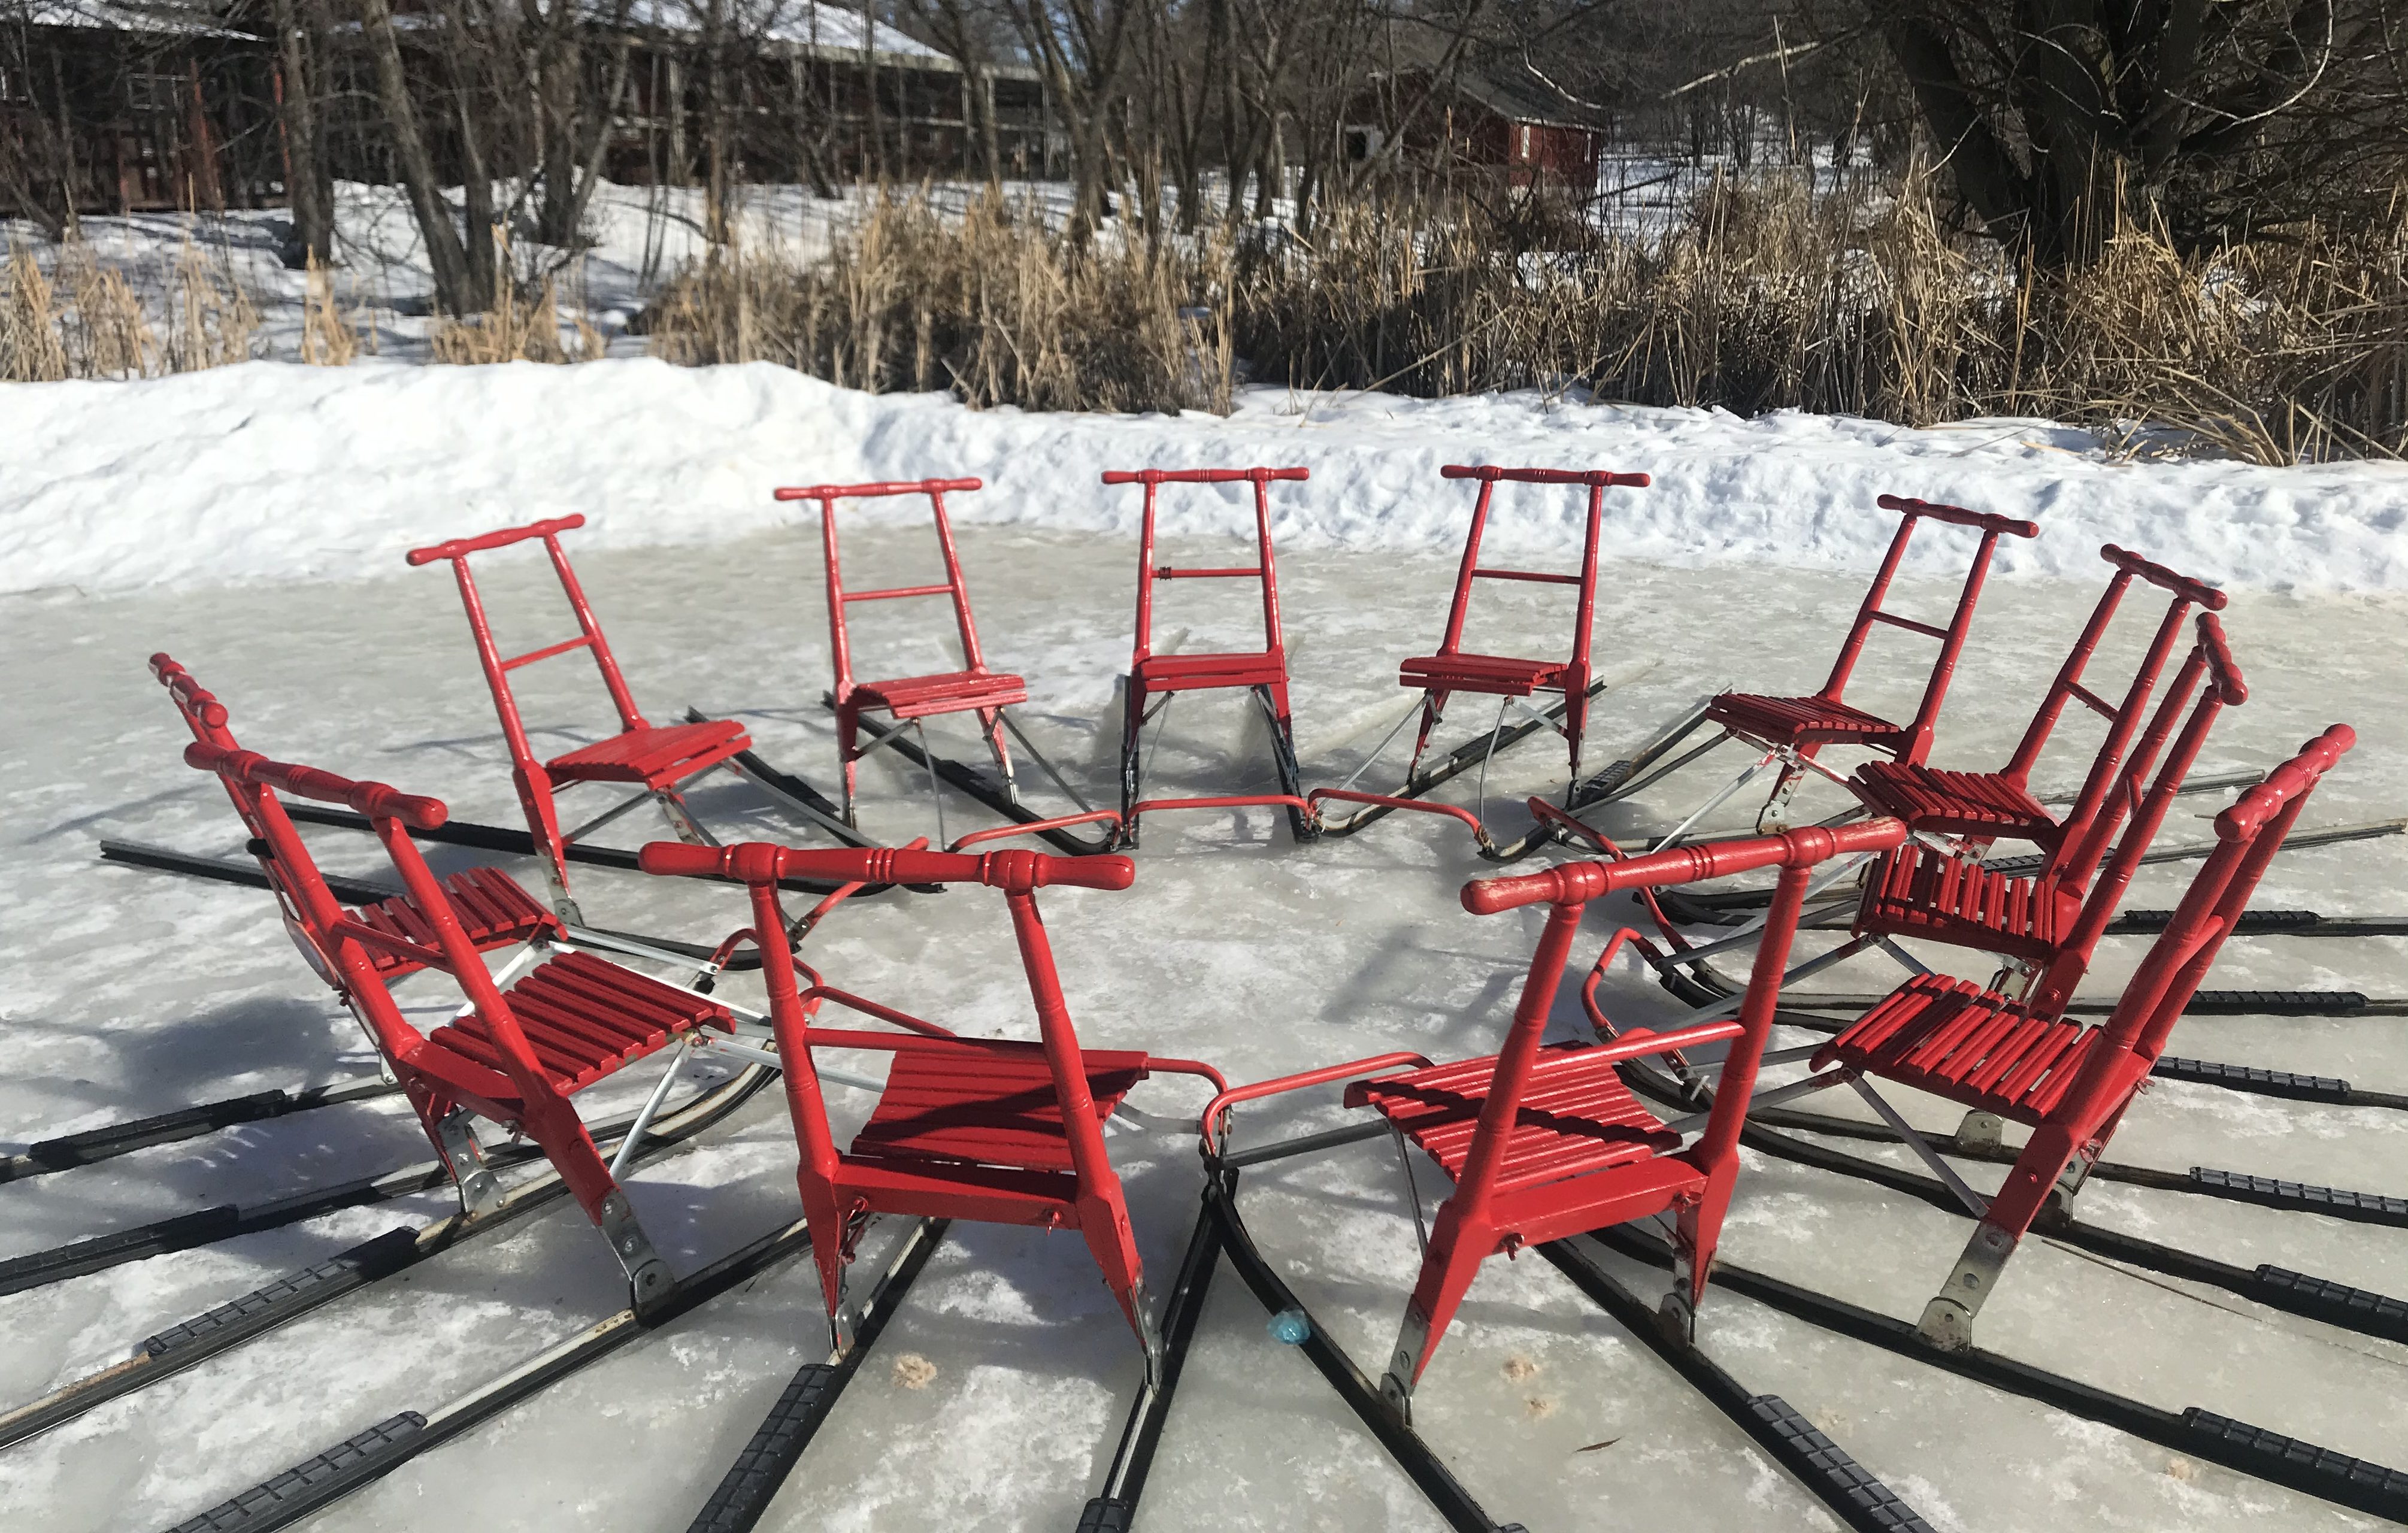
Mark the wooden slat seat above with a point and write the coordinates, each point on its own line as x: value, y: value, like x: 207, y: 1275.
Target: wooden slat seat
x: 1918, y: 891
x: 658, y: 755
x: 982, y: 1103
x: 1974, y: 1046
x: 950, y: 692
x: 494, y: 911
x: 1793, y: 721
x: 1197, y: 672
x: 585, y: 1018
x: 1576, y: 1117
x: 1497, y: 675
x: 1991, y: 806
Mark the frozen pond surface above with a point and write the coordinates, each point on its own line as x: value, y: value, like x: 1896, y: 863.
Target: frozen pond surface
x: 132, y: 993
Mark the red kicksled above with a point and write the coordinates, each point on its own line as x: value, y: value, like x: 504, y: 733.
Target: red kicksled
x: 1506, y: 678
x: 551, y: 1023
x: 1261, y: 673
x: 2022, y: 1061
x: 907, y: 700
x: 658, y: 759
x: 994, y: 1130
x: 1793, y: 731
x: 1545, y: 1140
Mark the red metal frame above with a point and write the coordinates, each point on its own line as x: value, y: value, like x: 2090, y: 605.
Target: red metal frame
x: 973, y: 689
x: 498, y: 912
x: 657, y: 757
x: 1795, y: 729
x: 2070, y: 1084
x: 990, y: 1129
x: 1451, y: 670
x: 513, y: 1059
x: 1555, y: 1144
x: 2051, y: 922
x: 1263, y: 672
x: 1986, y: 806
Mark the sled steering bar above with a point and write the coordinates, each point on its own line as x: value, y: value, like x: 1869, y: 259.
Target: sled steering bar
x: 1202, y: 476
x: 461, y: 547
x: 2159, y: 575
x: 1576, y: 883
x: 377, y: 800
x: 1985, y: 521
x: 1016, y: 871
x: 1595, y: 479
x: 872, y: 492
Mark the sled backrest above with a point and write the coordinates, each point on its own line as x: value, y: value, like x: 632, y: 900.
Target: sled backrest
x: 838, y: 598
x: 1952, y: 638
x: 2123, y: 718
x: 349, y: 944
x: 1263, y: 569
x: 1567, y: 890
x: 2247, y: 837
x: 760, y: 865
x: 1596, y: 482
x: 498, y: 667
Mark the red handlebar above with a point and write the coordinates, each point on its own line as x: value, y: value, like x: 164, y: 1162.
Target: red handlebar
x: 2159, y: 575
x: 189, y: 695
x: 461, y: 547
x: 2286, y: 783
x: 2223, y: 672
x: 1202, y: 476
x: 868, y: 492
x: 766, y: 862
x: 1960, y: 516
x: 377, y: 800
x: 1576, y: 883
x: 1592, y: 476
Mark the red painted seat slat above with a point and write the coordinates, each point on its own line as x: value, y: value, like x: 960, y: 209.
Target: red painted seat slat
x: 1576, y: 1117
x: 656, y: 756
x: 1791, y: 721
x: 585, y: 1018
x: 494, y: 911
x: 1988, y: 804
x: 1497, y: 675
x: 1970, y: 1045
x: 1918, y: 891
x: 951, y: 691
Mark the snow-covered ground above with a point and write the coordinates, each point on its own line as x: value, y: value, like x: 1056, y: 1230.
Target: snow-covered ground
x: 249, y: 523
x: 267, y: 471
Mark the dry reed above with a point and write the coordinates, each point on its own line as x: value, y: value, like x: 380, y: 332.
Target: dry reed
x: 985, y: 304
x: 328, y: 339
x: 1764, y: 296
x: 85, y: 319
x: 516, y: 329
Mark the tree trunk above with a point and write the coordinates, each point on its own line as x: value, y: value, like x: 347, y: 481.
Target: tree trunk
x: 307, y: 185
x: 453, y: 290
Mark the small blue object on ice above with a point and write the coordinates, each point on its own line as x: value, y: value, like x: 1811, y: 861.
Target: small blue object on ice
x: 1289, y: 1327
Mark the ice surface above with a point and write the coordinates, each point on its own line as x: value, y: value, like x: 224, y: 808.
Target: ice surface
x: 132, y: 993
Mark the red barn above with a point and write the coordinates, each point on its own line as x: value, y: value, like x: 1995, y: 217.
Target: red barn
x: 1501, y: 123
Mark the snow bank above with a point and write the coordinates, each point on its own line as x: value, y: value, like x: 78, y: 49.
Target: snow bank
x: 272, y: 471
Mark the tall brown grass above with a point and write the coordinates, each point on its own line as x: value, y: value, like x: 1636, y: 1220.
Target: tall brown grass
x: 85, y: 320
x: 985, y: 304
x: 1762, y: 297
x: 516, y: 328
x: 1866, y: 304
